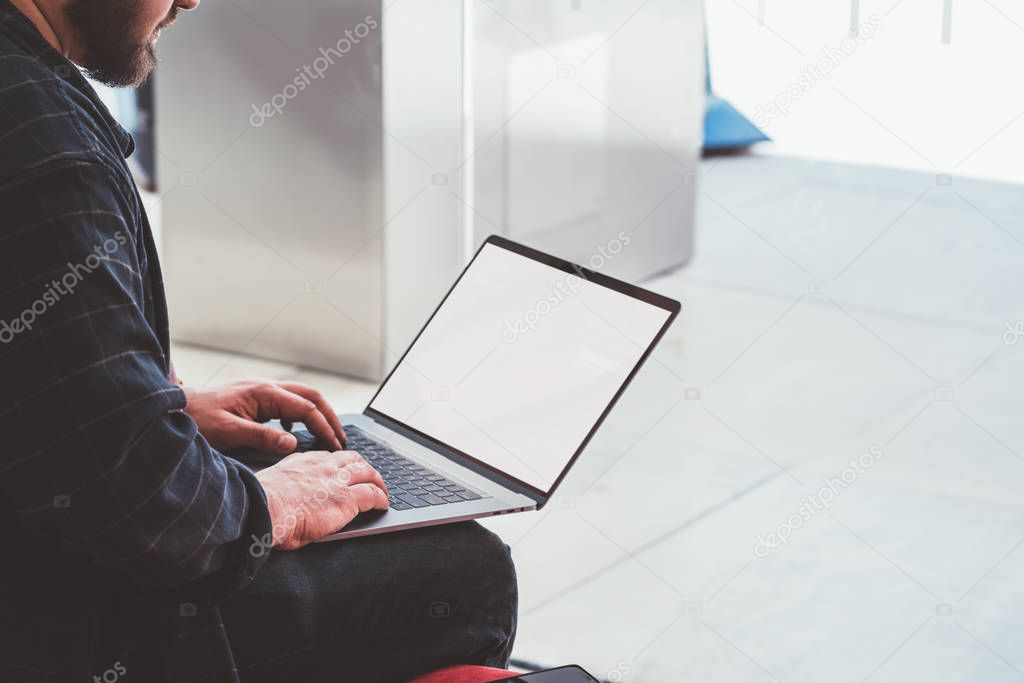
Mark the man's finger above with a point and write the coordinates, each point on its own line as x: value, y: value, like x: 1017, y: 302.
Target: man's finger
x: 322, y: 405
x: 263, y: 437
x: 369, y: 497
x: 293, y: 407
x: 360, y: 473
x: 342, y: 458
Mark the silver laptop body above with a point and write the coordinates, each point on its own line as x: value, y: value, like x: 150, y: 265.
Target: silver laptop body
x: 503, y: 388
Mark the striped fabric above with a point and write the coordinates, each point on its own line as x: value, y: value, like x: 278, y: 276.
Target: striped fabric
x: 120, y: 527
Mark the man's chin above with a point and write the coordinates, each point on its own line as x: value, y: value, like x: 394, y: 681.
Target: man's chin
x: 129, y: 72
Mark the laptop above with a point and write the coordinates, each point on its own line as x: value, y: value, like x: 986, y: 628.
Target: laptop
x: 502, y: 389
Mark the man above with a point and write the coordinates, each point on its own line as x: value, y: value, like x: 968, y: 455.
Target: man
x: 130, y: 545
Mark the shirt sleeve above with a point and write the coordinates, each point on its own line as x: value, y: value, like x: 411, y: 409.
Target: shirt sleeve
x: 95, y: 444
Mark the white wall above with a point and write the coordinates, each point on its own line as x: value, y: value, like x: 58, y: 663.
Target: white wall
x: 902, y: 98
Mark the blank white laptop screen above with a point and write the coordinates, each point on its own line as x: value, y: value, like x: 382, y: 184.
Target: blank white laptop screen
x: 518, y: 363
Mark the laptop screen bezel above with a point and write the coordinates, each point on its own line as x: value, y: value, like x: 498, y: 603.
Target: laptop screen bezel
x: 671, y: 306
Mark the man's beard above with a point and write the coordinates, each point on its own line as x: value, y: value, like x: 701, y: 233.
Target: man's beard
x: 108, y: 31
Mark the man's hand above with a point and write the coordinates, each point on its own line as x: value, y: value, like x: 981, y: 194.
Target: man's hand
x: 316, y: 493
x: 231, y: 416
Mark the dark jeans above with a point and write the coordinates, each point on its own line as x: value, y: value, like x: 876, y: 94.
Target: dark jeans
x: 381, y: 608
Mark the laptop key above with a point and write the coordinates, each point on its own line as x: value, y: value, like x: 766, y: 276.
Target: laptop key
x: 409, y: 483
x: 399, y: 505
x: 432, y: 499
x: 412, y: 500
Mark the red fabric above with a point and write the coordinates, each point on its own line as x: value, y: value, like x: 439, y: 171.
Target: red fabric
x: 465, y: 674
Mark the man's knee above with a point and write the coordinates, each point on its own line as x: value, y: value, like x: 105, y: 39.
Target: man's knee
x: 480, y: 558
x: 472, y: 566
x: 492, y: 557
x: 490, y: 594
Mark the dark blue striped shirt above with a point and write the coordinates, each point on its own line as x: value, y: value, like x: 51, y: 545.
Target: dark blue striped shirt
x: 120, y: 527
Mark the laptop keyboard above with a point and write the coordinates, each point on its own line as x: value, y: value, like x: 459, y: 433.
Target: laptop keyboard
x: 410, y: 485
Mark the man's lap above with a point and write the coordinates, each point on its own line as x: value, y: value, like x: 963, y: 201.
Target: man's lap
x: 380, y: 608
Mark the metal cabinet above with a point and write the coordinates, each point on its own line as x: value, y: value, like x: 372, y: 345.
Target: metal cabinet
x: 325, y: 169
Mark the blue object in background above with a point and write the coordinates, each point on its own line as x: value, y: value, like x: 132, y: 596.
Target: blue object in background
x: 724, y: 127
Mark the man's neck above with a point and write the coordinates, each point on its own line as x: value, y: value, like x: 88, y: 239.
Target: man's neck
x: 46, y: 16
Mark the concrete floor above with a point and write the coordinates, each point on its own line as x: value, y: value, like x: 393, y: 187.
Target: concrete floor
x: 830, y: 310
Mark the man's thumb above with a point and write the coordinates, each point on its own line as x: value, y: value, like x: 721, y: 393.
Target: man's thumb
x: 274, y: 440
